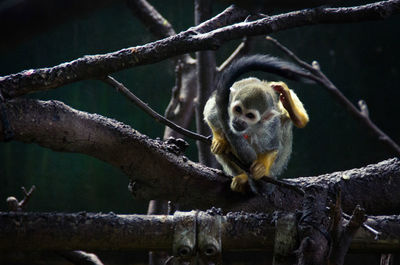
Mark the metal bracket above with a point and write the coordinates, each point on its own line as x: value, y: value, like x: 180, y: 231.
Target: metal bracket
x: 197, y: 236
x: 285, y: 239
x: 209, y: 237
x: 184, y: 243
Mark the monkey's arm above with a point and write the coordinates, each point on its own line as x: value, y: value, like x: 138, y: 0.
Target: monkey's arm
x: 219, y: 144
x: 291, y: 103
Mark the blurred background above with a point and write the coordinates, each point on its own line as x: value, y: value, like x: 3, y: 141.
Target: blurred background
x: 361, y: 59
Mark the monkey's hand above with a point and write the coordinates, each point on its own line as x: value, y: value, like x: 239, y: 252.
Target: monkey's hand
x: 262, y: 166
x: 291, y: 103
x: 239, y: 182
x: 219, y: 144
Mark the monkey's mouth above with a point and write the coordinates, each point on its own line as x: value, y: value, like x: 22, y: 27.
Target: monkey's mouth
x: 239, y: 125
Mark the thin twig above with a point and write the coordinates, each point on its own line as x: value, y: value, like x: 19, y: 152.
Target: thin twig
x: 27, y: 196
x: 17, y: 206
x: 239, y: 50
x: 376, y: 233
x: 321, y: 79
x: 386, y: 259
x: 175, y: 101
x: 138, y: 102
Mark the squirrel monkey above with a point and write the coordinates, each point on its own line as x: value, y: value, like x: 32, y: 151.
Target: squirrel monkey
x: 252, y: 119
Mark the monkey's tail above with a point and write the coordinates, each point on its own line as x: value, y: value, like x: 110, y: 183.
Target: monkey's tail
x: 264, y: 63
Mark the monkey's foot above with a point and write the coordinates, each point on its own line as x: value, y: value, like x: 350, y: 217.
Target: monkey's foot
x: 219, y: 145
x: 262, y: 166
x: 239, y: 182
x: 257, y: 170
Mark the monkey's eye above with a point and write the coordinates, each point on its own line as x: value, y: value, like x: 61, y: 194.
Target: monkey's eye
x: 238, y: 109
x: 250, y: 115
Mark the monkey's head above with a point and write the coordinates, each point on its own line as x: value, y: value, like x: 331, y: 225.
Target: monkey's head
x: 252, y: 102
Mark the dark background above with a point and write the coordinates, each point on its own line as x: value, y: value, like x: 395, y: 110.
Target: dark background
x: 361, y: 59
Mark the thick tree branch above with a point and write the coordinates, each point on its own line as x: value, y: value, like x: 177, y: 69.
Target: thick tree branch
x: 161, y: 172
x: 314, y: 244
x: 154, y: 165
x: 194, y: 39
x: 239, y: 231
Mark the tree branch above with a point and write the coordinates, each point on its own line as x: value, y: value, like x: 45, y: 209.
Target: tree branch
x: 159, y: 170
x: 194, y: 39
x: 94, y: 232
x: 15, y: 205
x: 138, y: 102
x: 342, y: 233
x: 154, y: 21
x: 241, y: 49
x: 206, y: 70
x: 314, y: 244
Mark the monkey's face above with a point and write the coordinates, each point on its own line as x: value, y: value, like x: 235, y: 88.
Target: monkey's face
x: 252, y: 102
x: 250, y: 107
x: 242, y: 118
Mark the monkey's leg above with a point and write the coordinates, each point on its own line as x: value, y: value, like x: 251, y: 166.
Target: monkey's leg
x: 239, y: 182
x: 291, y: 103
x: 219, y: 144
x: 262, y: 166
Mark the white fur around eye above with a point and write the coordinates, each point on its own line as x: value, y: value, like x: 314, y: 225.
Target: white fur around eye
x: 252, y: 120
x: 234, y: 106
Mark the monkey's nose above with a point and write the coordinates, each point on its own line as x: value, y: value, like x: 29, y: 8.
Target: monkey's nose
x: 239, y: 125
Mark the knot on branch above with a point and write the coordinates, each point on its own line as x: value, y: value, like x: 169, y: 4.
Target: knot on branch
x: 176, y: 145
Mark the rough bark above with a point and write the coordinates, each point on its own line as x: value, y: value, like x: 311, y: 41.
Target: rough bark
x: 89, y: 231
x: 313, y: 224
x: 207, y: 36
x: 173, y: 177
